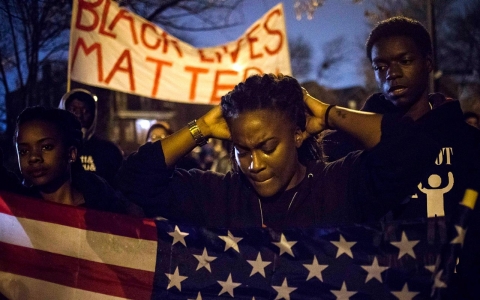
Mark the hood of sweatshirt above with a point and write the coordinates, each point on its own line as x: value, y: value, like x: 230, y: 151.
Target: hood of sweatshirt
x: 86, y: 96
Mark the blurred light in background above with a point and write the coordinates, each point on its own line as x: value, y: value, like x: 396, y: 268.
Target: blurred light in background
x: 142, y: 126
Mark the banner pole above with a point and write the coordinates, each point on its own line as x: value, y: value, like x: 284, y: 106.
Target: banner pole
x: 69, y: 67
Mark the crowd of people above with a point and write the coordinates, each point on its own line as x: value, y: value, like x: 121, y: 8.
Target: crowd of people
x: 287, y: 159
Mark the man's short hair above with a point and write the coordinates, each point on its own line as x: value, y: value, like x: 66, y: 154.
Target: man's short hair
x: 400, y: 26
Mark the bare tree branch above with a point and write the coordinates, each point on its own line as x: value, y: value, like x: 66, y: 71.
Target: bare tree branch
x: 35, y: 31
x: 300, y: 56
x: 188, y: 15
x: 335, y: 53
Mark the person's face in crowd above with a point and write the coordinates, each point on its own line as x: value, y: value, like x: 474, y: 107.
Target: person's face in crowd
x: 156, y: 134
x: 401, y: 72
x: 472, y: 121
x: 82, y: 111
x: 266, y: 145
x: 42, y: 156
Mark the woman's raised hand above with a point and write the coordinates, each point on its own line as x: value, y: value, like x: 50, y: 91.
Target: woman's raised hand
x: 315, y: 115
x: 213, y: 125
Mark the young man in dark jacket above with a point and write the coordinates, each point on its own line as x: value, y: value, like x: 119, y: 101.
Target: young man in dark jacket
x: 400, y: 51
x: 99, y: 156
x: 401, y: 54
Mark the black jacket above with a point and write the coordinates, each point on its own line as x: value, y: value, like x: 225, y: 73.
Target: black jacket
x: 459, y: 155
x: 101, y: 157
x: 361, y: 187
x: 97, y: 193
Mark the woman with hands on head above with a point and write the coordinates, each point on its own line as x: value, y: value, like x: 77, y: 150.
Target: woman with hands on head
x: 278, y: 180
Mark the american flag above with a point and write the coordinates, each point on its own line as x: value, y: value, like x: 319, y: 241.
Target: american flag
x: 52, y: 251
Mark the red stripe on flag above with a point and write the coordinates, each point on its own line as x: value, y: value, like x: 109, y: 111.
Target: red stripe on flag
x: 40, y: 210
x: 78, y: 273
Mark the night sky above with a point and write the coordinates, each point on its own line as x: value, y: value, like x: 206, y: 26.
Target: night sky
x: 335, y: 18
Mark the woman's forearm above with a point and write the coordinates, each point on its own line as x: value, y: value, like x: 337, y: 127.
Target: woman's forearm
x: 210, y: 125
x: 177, y: 146
x: 364, y: 126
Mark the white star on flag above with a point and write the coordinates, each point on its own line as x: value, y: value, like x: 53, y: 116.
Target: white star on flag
x: 258, y: 265
x: 460, y: 237
x: 343, y: 247
x: 431, y: 268
x: 405, y: 246
x: 178, y: 236
x: 204, y: 260
x: 438, y: 283
x: 228, y: 286
x: 284, y: 245
x: 314, y: 269
x: 284, y: 290
x: 231, y: 241
x: 199, y: 297
x: 374, y: 271
x: 175, y: 280
x: 343, y: 293
x: 405, y: 294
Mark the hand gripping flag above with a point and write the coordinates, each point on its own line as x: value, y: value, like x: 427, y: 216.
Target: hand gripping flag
x: 444, y: 284
x: 52, y: 251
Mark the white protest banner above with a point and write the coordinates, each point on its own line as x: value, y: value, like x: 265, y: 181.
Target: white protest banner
x: 112, y: 48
